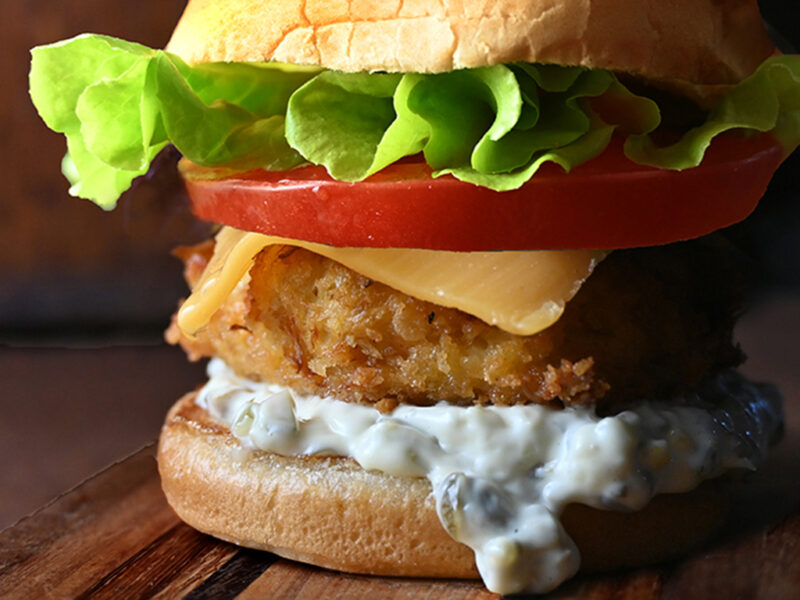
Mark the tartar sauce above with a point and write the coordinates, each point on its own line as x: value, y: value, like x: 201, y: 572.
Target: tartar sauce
x: 501, y: 476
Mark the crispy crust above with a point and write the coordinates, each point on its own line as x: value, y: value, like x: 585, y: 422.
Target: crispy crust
x: 330, y: 512
x: 684, y: 42
x: 648, y: 323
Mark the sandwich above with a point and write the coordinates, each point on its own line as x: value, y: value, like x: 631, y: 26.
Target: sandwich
x: 466, y: 311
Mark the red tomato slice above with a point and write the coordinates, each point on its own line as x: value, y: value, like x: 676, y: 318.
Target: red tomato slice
x: 608, y: 202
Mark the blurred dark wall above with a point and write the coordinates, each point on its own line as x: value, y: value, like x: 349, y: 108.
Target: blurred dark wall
x: 64, y: 262
x: 772, y: 233
x: 65, y: 265
x: 783, y: 15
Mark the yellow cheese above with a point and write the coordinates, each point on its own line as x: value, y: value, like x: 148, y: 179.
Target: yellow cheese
x: 522, y: 292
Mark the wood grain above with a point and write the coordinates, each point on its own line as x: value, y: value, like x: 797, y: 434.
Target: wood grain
x: 234, y: 576
x: 288, y: 579
x: 175, y: 561
x: 85, y: 534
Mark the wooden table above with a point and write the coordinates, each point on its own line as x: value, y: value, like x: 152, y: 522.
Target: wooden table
x: 114, y: 535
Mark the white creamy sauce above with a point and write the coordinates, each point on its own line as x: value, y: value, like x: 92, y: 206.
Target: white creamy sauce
x: 501, y: 476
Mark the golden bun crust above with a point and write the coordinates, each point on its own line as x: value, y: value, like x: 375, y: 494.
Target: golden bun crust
x: 330, y: 512
x: 687, y: 42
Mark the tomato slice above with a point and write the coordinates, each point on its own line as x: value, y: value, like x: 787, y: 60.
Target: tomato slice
x: 608, y: 202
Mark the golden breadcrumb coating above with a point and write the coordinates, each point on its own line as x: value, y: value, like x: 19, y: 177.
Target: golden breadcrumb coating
x: 648, y: 322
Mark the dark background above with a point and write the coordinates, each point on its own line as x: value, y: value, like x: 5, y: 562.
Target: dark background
x: 103, y: 284
x: 85, y: 378
x: 66, y: 265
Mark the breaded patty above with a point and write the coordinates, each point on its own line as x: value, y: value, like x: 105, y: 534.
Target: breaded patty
x: 647, y: 323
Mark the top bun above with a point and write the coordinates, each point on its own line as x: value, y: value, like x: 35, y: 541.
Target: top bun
x: 682, y: 43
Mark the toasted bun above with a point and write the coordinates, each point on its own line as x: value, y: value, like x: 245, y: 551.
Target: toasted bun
x: 332, y: 513
x: 682, y: 42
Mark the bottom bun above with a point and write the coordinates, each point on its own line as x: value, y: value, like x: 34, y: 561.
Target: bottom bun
x: 330, y: 512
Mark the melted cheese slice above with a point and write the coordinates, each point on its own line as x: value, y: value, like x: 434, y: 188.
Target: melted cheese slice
x: 522, y: 292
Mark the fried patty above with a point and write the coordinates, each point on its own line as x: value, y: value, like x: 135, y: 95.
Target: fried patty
x: 647, y: 323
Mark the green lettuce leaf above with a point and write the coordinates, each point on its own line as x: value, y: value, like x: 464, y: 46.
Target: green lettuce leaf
x: 337, y: 120
x: 566, y: 132
x: 767, y: 101
x: 492, y: 126
x: 120, y: 103
x: 59, y: 76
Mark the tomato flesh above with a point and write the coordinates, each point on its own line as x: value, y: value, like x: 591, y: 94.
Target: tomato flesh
x: 608, y: 202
